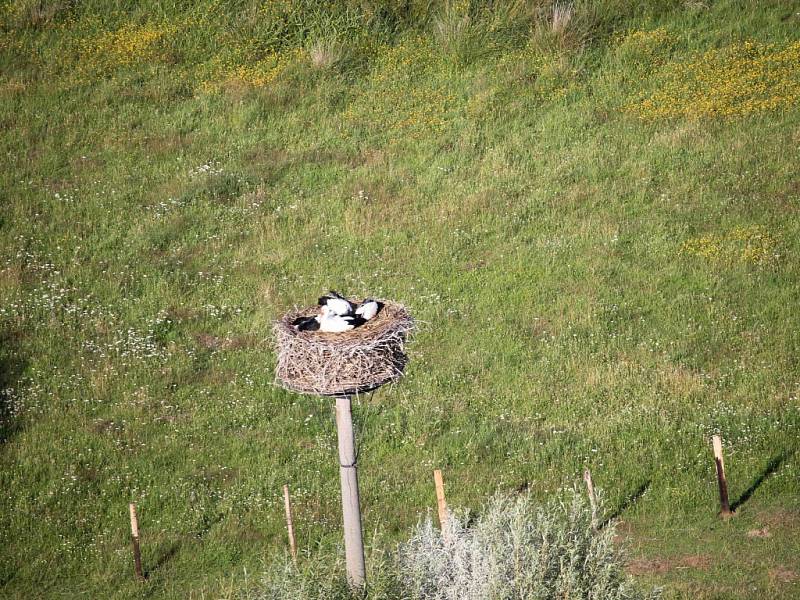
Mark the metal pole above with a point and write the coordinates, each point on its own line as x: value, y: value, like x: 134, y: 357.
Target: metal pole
x: 351, y: 512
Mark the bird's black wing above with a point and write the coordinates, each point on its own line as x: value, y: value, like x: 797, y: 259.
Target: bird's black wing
x: 308, y: 324
x: 356, y: 320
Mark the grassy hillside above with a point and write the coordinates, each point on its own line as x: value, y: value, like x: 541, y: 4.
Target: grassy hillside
x: 592, y: 210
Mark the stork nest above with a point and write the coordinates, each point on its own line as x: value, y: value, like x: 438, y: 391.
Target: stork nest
x: 338, y: 364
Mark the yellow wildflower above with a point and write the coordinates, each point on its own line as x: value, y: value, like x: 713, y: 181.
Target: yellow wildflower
x: 735, y: 81
x: 751, y: 245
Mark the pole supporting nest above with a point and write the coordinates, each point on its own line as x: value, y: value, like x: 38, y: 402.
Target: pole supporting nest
x: 351, y: 511
x: 340, y: 365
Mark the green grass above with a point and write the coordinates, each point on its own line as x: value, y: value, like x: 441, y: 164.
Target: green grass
x: 597, y: 285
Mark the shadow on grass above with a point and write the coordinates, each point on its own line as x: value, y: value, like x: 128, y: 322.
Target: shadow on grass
x: 165, y: 557
x: 772, y: 466
x: 11, y: 368
x: 626, y: 504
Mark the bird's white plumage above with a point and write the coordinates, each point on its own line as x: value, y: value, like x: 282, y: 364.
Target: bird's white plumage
x: 368, y: 310
x: 331, y: 322
x: 339, y: 306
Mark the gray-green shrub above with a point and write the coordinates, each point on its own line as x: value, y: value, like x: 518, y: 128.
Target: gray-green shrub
x: 514, y: 550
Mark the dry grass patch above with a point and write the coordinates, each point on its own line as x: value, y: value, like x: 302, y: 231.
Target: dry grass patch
x: 782, y: 574
x: 11, y: 277
x: 468, y: 205
x: 662, y: 566
x: 679, y: 381
x: 560, y: 31
x: 168, y: 143
x: 374, y: 207
x: 229, y: 342
x: 324, y: 53
x: 761, y: 533
x: 687, y: 134
x: 781, y: 519
x: 35, y: 13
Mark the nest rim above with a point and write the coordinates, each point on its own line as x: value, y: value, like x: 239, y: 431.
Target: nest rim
x: 342, y: 364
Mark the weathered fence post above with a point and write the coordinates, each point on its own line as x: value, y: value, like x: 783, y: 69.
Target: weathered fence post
x: 721, y: 479
x: 351, y: 512
x: 587, y: 477
x: 289, y: 524
x: 440, y: 500
x: 137, y: 555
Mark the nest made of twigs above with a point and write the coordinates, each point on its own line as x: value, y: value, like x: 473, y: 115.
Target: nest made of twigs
x: 337, y: 364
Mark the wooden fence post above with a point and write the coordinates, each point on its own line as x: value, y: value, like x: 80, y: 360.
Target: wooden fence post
x: 351, y: 512
x: 289, y: 524
x: 137, y: 556
x: 721, y: 479
x: 587, y: 477
x: 440, y: 500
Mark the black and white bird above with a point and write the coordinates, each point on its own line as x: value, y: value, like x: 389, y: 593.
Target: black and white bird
x: 337, y: 303
x: 338, y: 314
x: 307, y: 323
x: 369, y: 308
x: 330, y: 322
